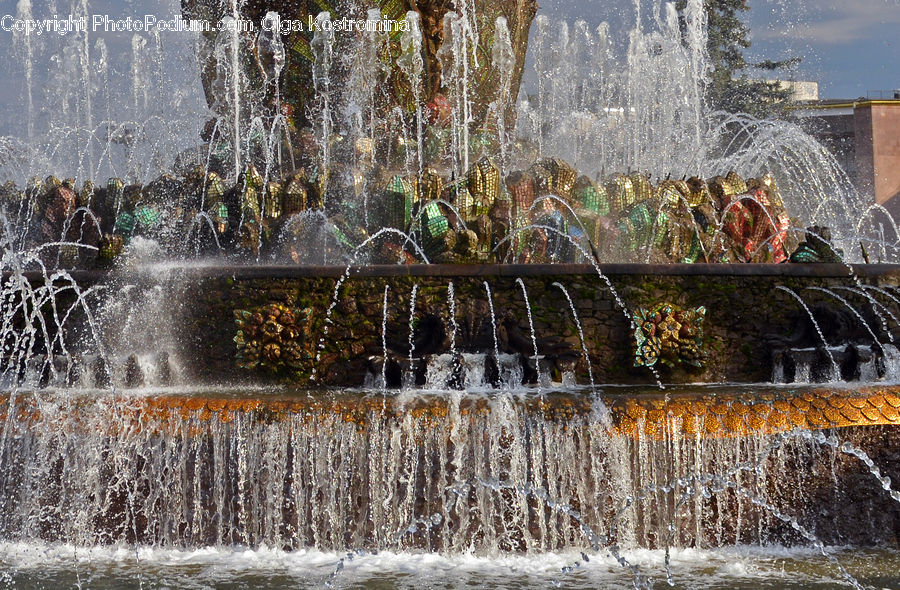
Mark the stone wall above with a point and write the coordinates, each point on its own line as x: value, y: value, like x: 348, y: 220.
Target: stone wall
x: 746, y: 313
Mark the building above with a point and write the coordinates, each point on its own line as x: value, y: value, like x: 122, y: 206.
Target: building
x: 864, y: 136
x: 801, y: 90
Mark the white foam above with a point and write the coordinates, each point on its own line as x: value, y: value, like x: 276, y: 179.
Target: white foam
x: 268, y: 567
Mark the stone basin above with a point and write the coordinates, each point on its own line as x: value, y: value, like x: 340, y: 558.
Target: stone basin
x: 336, y: 336
x: 235, y: 454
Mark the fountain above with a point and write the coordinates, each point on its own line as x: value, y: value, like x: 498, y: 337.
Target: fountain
x: 354, y: 309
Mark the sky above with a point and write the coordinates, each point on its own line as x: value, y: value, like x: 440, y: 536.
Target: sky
x: 179, y: 64
x: 850, y: 47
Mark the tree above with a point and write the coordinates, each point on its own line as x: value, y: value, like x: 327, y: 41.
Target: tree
x: 730, y: 89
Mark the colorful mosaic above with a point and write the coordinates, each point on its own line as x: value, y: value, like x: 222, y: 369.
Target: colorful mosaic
x: 668, y: 335
x: 817, y: 247
x: 702, y: 415
x: 763, y: 412
x: 272, y: 338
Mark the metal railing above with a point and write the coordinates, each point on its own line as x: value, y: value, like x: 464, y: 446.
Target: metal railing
x: 884, y: 94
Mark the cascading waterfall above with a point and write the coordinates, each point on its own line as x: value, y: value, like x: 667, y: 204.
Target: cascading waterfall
x: 487, y: 474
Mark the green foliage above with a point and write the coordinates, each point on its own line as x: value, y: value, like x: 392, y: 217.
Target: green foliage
x: 729, y: 88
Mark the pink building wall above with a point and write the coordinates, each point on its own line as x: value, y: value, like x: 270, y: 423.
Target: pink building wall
x: 877, y: 128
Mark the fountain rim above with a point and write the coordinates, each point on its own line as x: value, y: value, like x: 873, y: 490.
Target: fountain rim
x: 259, y: 271
x: 763, y: 410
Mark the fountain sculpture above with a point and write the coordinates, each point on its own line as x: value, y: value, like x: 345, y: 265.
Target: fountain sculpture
x: 393, y: 303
